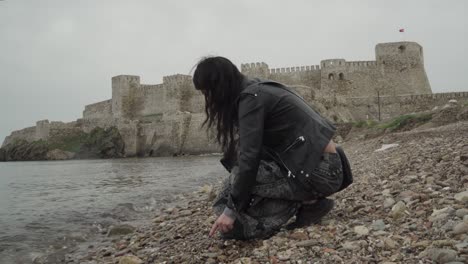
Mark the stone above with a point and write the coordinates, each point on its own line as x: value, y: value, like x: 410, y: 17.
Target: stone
x: 120, y: 230
x: 351, y: 245
x: 243, y: 261
x: 185, y: 213
x: 390, y: 243
x: 461, y: 228
x: 462, y: 245
x: 461, y: 212
x: 441, y: 255
x: 361, y: 230
x: 378, y: 225
x: 2, y: 155
x: 398, y: 210
x: 307, y: 243
x: 462, y: 196
x: 130, y: 260
x: 58, y: 154
x: 441, y: 214
x: 386, y: 192
x: 388, y: 202
x: 285, y: 255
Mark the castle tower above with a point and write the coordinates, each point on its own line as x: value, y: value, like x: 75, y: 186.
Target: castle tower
x: 402, y: 68
x: 259, y: 70
x: 123, y: 93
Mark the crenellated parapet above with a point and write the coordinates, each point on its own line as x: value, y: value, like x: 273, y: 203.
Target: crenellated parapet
x: 177, y: 79
x: 253, y: 66
x: 307, y: 68
x: 353, y: 64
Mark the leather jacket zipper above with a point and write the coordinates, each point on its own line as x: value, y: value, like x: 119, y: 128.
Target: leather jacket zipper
x: 296, y: 141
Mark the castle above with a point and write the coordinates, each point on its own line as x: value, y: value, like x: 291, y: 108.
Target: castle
x: 165, y: 118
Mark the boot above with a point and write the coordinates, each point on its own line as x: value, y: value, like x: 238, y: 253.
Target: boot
x: 310, y: 214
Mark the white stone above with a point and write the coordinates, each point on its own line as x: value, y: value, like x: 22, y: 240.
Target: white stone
x: 462, y: 197
x: 361, y: 230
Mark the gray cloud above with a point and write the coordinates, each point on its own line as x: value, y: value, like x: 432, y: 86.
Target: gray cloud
x: 57, y: 56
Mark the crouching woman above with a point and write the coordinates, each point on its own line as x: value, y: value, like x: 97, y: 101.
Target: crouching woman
x: 278, y: 150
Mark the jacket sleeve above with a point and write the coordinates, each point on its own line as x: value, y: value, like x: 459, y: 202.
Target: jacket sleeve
x: 251, y: 123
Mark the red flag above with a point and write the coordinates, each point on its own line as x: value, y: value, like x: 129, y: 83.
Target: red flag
x: 402, y: 30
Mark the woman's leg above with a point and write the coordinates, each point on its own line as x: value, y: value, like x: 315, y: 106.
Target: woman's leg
x: 270, y: 208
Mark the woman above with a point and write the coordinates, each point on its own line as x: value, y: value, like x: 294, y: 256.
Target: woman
x: 278, y: 150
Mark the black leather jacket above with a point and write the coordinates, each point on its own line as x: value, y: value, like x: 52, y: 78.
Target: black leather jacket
x: 275, y: 123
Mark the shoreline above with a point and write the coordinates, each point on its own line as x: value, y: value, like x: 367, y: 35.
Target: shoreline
x: 408, y: 205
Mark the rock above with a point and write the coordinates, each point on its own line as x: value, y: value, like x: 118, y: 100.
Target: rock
x: 24, y: 150
x: 102, y: 143
x: 58, y: 154
x: 130, y: 260
x: 398, y: 210
x: 119, y: 230
x: 351, y: 245
x: 441, y: 215
x: 462, y: 245
x: 378, y: 225
x: 2, y: 155
x: 243, y: 261
x: 462, y: 197
x: 185, y: 213
x: 285, y: 255
x: 390, y: 243
x: 386, y: 192
x: 361, y: 230
x: 307, y: 243
x: 440, y: 255
x: 388, y: 202
x: 461, y: 228
x: 461, y: 212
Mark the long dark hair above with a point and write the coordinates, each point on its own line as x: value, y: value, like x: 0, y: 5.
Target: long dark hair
x: 220, y: 82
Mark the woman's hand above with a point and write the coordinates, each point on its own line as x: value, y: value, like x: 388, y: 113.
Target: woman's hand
x: 224, y: 223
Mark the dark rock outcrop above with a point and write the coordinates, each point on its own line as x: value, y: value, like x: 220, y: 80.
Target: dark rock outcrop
x: 23, y: 150
x: 2, y: 155
x: 102, y: 143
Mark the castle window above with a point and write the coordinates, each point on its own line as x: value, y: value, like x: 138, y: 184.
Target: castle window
x: 331, y: 76
x: 341, y: 76
x: 402, y: 48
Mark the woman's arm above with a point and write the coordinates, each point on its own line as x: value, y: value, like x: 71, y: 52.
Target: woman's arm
x: 251, y: 124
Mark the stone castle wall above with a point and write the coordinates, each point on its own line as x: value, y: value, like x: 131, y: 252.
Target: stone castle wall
x: 98, y: 110
x: 391, y: 106
x: 166, y: 118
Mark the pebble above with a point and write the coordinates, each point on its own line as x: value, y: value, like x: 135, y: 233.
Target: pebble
x: 462, y: 197
x: 378, y: 225
x: 130, y: 260
x: 461, y: 212
x: 441, y: 255
x: 461, y: 228
x: 361, y: 230
x: 388, y: 202
x: 398, y: 210
x: 351, y: 245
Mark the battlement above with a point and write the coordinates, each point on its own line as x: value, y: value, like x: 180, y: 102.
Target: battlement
x: 126, y: 78
x: 296, y: 69
x: 177, y: 78
x: 146, y: 89
x: 253, y: 65
x: 98, y: 104
x: 361, y: 63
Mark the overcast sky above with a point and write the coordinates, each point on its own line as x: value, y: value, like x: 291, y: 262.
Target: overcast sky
x: 56, y: 56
